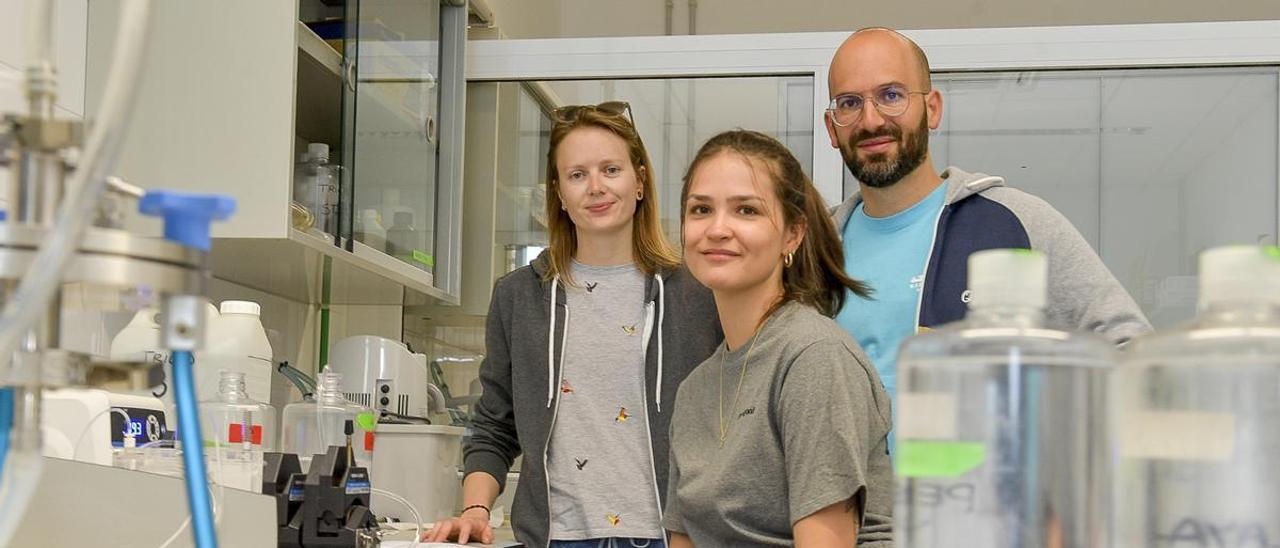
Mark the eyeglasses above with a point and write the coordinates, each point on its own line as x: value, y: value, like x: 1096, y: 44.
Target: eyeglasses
x: 569, y: 114
x: 846, y: 110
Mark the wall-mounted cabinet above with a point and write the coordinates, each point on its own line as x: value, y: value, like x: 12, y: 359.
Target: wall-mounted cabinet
x: 233, y: 92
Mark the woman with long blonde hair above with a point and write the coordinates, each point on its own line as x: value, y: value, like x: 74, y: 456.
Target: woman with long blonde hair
x: 584, y: 350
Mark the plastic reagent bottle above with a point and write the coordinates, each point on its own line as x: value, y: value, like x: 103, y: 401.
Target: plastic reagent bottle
x: 234, y: 420
x: 309, y: 428
x: 1001, y: 430
x: 316, y: 187
x: 1196, y: 414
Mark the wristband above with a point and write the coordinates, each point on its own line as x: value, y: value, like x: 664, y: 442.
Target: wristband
x: 487, y: 512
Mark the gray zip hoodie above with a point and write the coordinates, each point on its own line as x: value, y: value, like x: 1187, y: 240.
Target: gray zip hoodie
x: 982, y: 213
x: 520, y: 376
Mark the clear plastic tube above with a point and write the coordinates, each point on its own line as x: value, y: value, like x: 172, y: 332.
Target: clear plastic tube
x: 417, y: 518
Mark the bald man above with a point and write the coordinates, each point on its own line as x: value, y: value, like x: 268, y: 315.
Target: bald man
x: 909, y: 229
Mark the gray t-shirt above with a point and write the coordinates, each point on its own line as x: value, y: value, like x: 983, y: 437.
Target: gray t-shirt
x: 807, y: 431
x: 599, y: 460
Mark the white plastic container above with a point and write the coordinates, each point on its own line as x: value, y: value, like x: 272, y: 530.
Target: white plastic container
x: 309, y: 428
x: 1001, y: 438
x: 139, y: 341
x: 235, y: 342
x: 1196, y: 418
x: 420, y: 463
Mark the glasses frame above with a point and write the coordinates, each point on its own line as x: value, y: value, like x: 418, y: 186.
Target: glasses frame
x: 569, y: 114
x: 831, y: 107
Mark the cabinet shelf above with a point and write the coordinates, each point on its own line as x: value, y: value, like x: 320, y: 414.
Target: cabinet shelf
x: 296, y: 268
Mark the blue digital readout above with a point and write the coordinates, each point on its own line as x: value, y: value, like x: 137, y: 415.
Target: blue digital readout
x: 134, y: 429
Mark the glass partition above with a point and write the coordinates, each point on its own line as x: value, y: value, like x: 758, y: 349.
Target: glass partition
x: 1152, y: 166
x: 674, y: 117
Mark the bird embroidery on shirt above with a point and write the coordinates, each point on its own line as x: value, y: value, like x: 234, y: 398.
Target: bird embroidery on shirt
x: 622, y: 415
x: 629, y: 329
x: 592, y: 286
x: 614, y: 519
x: 581, y: 463
x: 565, y: 387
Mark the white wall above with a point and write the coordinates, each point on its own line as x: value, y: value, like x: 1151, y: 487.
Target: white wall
x: 595, y: 18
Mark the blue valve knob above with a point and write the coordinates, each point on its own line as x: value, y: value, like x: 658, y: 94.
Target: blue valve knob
x: 187, y: 216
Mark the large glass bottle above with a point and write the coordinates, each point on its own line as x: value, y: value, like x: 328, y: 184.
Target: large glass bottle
x: 1197, y: 415
x: 1001, y: 431
x: 311, y: 427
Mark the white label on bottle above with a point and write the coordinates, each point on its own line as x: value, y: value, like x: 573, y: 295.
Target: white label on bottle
x: 926, y: 416
x: 1180, y: 435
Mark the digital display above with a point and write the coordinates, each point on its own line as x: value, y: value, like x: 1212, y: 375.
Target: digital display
x: 134, y: 429
x: 144, y: 425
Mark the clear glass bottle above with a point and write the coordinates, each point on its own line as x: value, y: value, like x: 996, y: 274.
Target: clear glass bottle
x: 225, y: 421
x: 402, y: 239
x: 310, y: 428
x: 1001, y: 431
x: 1197, y: 415
x: 369, y: 230
x: 315, y: 186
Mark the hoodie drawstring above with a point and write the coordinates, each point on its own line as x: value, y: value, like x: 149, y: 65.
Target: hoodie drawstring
x: 662, y: 311
x: 551, y: 345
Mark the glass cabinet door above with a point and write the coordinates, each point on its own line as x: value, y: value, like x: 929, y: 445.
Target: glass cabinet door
x: 392, y: 127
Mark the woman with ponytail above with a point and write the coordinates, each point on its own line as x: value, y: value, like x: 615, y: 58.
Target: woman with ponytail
x: 779, y: 438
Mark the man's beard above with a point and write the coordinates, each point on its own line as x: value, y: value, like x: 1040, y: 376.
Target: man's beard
x: 878, y: 170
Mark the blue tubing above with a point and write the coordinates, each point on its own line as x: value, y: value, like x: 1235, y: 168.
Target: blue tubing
x: 6, y: 423
x: 193, y: 451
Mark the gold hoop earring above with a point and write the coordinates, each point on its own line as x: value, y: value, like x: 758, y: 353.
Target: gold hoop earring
x: 639, y: 196
x: 788, y: 259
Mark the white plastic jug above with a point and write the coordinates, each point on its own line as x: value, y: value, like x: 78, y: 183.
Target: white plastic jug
x: 139, y: 341
x: 237, y: 342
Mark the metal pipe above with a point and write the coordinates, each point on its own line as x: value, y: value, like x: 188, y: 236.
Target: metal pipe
x: 693, y: 17
x: 42, y: 76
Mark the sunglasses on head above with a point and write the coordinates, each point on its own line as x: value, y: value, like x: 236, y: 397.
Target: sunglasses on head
x: 569, y: 114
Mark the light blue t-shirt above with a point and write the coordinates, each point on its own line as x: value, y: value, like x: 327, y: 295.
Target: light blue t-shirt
x: 889, y: 254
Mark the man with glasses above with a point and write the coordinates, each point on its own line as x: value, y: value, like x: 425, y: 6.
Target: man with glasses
x: 909, y: 230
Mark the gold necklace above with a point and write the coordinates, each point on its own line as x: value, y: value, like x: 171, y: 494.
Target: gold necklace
x: 724, y: 426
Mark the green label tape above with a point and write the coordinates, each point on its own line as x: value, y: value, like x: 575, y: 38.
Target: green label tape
x: 367, y: 421
x: 938, y: 459
x: 423, y: 258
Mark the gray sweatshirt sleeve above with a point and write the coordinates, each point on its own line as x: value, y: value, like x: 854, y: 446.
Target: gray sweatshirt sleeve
x: 1083, y: 294
x: 493, y: 445
x: 672, y: 520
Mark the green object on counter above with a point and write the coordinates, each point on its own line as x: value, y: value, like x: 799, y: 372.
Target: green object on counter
x: 423, y: 258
